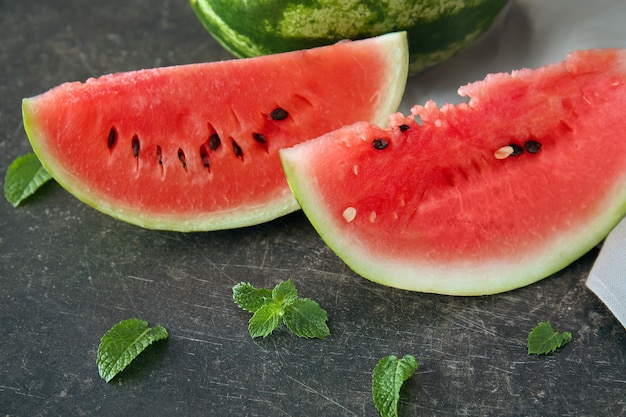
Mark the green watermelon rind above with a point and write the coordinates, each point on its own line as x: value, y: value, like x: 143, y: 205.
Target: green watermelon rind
x: 395, y: 50
x: 436, y: 31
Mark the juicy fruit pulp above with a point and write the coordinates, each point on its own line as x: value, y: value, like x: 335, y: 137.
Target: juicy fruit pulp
x: 478, y: 198
x: 436, y: 29
x: 195, y: 147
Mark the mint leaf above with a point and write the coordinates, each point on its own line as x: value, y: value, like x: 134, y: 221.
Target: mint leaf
x: 265, y: 320
x: 543, y: 339
x: 24, y: 176
x: 302, y: 316
x: 305, y: 318
x: 387, y: 378
x: 285, y: 292
x: 123, y: 343
x: 250, y: 298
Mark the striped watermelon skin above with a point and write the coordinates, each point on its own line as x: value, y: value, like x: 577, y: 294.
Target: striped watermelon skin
x: 436, y: 30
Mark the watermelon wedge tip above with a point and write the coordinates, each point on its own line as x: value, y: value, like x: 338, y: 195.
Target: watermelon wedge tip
x: 481, y: 197
x: 195, y: 147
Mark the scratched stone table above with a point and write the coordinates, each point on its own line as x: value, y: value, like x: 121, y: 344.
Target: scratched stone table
x: 68, y: 273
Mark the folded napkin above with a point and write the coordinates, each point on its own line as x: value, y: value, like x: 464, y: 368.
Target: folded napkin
x: 607, y: 278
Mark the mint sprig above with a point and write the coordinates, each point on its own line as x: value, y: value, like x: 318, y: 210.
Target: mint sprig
x: 24, y: 176
x: 543, y: 339
x: 302, y: 316
x: 250, y: 298
x: 388, y: 377
x: 123, y: 343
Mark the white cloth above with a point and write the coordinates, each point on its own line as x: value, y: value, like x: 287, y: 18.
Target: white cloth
x: 607, y: 278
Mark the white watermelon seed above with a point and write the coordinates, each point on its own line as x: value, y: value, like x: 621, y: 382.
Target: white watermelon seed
x: 503, y: 152
x: 508, y: 150
x: 349, y: 214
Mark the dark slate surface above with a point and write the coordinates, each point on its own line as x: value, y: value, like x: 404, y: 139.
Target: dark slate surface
x: 68, y: 273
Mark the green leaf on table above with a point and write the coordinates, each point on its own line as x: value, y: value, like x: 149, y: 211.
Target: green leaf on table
x: 250, y: 298
x: 302, y: 316
x: 123, y: 343
x: 285, y: 293
x: 543, y: 339
x: 305, y: 318
x: 388, y: 377
x: 265, y: 320
x: 24, y: 176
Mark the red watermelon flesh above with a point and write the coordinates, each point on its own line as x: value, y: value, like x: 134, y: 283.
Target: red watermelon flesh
x: 195, y: 147
x: 482, y: 197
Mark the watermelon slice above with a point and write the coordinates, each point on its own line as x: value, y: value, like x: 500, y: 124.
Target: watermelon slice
x: 478, y: 198
x: 195, y: 147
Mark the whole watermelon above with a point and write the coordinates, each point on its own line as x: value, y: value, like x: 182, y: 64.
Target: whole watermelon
x: 437, y: 29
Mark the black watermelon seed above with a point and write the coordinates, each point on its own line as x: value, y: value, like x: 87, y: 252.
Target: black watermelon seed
x: 182, y: 158
x: 532, y: 146
x: 279, y: 114
x: 517, y: 150
x: 112, y: 138
x: 403, y: 128
x: 380, y: 143
x: 214, y: 141
x: 204, y: 156
x: 259, y: 137
x: 159, y: 155
x: 237, y: 149
x: 136, y: 146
